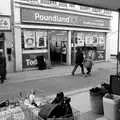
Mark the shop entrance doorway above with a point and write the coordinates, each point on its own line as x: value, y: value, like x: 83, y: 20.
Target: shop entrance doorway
x: 58, y: 47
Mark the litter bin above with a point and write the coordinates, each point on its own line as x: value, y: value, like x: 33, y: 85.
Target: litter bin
x: 111, y: 106
x: 96, y: 99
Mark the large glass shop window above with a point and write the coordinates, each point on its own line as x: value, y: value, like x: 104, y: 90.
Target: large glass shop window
x: 93, y: 44
x: 34, y: 39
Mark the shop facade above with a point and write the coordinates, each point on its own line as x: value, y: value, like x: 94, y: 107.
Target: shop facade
x: 55, y: 33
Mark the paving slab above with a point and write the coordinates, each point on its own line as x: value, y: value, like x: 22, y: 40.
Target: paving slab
x: 81, y: 102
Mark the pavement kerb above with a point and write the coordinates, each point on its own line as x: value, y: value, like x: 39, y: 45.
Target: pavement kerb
x: 73, y: 92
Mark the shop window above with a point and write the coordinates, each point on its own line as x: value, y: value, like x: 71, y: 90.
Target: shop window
x: 34, y: 39
x: 29, y: 39
x: 92, y: 43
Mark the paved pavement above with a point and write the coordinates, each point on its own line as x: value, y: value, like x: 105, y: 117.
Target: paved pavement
x: 80, y: 97
x: 53, y: 72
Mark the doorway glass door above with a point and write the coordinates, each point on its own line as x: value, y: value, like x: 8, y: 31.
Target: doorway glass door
x: 58, y: 47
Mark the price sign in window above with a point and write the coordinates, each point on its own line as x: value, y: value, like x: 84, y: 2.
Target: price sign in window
x: 41, y: 39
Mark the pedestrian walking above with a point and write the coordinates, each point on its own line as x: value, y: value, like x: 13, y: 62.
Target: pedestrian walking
x: 88, y: 63
x: 79, y: 61
x: 2, y: 67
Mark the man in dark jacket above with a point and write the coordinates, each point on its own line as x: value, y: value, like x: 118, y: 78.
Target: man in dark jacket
x: 2, y: 67
x: 79, y: 61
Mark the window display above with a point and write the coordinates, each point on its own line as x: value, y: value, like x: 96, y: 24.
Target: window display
x: 29, y: 39
x: 93, y: 44
x: 41, y: 38
x: 34, y: 39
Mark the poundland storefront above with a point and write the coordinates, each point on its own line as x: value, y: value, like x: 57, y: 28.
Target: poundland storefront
x: 55, y: 33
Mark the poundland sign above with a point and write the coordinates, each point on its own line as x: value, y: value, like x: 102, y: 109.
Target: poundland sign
x: 58, y: 18
x: 55, y: 18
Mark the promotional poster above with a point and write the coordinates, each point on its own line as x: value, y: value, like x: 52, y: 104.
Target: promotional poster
x: 41, y: 39
x: 80, y: 39
x: 29, y: 39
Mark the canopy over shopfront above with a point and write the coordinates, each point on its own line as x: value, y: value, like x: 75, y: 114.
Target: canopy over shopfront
x: 103, y: 4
